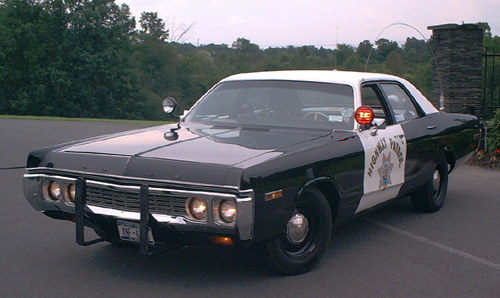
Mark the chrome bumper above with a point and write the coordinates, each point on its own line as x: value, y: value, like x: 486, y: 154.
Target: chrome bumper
x: 35, y: 195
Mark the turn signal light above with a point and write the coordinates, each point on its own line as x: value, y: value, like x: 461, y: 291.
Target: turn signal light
x: 221, y: 240
x: 274, y: 195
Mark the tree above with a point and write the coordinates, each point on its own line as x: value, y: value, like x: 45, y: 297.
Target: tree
x: 384, y: 48
x: 85, y: 58
x: 95, y: 53
x: 68, y: 58
x: 415, y: 50
x: 492, y: 43
x: 248, y: 53
x: 364, y: 48
x: 395, y: 63
x: 153, y: 26
x: 343, y: 52
x: 180, y: 32
x: 25, y: 55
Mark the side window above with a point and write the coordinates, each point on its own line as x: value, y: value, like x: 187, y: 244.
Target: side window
x: 370, y: 98
x: 400, y: 103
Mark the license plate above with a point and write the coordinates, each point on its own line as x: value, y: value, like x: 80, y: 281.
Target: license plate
x: 130, y: 231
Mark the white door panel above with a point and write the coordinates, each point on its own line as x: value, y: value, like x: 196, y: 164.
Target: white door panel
x: 385, y: 161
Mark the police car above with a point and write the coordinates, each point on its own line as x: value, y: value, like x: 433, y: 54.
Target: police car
x: 269, y: 159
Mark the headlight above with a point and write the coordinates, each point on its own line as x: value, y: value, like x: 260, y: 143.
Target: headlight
x: 197, y: 208
x: 70, y: 192
x: 55, y: 191
x: 227, y: 211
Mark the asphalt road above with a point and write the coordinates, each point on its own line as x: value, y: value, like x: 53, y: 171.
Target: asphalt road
x: 392, y: 252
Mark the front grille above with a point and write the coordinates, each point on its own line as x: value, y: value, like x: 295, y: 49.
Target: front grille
x: 128, y: 200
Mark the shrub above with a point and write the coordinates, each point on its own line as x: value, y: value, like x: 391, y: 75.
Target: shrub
x: 494, y: 136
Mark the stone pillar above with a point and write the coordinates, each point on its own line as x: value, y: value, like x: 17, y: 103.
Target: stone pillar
x: 458, y: 51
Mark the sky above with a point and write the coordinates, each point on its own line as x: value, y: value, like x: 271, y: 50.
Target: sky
x: 279, y: 23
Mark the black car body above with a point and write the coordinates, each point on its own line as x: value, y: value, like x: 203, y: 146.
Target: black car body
x: 273, y: 157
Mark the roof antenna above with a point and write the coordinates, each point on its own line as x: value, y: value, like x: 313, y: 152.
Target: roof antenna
x: 441, y: 96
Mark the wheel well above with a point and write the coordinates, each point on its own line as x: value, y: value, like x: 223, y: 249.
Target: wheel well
x: 450, y: 159
x: 331, y: 194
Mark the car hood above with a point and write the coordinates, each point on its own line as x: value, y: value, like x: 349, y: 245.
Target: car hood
x: 197, y: 154
x: 227, y: 146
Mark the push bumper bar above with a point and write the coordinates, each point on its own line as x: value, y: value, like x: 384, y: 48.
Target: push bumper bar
x: 80, y: 204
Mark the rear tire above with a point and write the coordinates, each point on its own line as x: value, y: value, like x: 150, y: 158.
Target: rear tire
x: 305, y: 238
x: 430, y: 197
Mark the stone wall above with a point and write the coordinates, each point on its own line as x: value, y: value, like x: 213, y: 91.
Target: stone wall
x: 458, y: 51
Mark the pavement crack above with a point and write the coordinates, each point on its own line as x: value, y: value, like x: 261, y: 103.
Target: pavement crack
x: 435, y: 244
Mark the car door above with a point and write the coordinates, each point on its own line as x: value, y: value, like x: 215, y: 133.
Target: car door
x: 419, y: 130
x: 385, y: 152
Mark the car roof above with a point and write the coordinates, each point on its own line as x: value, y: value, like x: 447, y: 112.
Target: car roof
x: 351, y: 78
x: 323, y: 76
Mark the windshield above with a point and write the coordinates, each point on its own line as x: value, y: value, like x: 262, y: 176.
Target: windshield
x: 277, y: 103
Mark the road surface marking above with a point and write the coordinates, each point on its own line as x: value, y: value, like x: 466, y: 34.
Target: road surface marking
x: 435, y: 244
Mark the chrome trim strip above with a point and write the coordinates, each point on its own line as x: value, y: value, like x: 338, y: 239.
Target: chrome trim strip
x: 49, y: 176
x: 186, y: 193
x: 243, y: 200
x: 136, y: 215
x: 129, y: 187
x: 245, y: 217
x: 234, y: 188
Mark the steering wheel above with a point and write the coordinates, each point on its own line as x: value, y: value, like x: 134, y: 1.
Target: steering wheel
x: 264, y: 114
x: 316, y: 116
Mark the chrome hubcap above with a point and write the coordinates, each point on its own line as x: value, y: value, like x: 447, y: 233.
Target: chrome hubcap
x: 297, y: 228
x: 436, y: 181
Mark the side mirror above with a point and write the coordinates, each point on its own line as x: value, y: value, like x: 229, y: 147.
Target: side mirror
x: 169, y: 105
x: 184, y: 114
x: 365, y: 117
x: 380, y: 123
x: 377, y: 124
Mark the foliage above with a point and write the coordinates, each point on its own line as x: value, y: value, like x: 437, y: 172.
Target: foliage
x: 67, y: 58
x: 494, y: 135
x: 85, y: 58
x: 492, y: 42
x: 491, y: 89
x: 153, y: 26
x: 491, y: 156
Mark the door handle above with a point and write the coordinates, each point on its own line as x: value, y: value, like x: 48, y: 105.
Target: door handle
x: 431, y: 127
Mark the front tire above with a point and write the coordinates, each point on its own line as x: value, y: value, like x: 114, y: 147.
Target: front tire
x: 430, y: 197
x: 305, y: 238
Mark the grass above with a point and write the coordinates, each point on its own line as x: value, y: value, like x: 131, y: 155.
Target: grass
x: 47, y: 118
